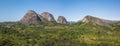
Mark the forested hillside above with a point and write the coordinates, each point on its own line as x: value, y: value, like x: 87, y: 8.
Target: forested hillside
x: 77, y: 34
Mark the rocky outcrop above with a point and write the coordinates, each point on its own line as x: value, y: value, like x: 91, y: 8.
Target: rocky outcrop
x: 46, y: 17
x: 62, y: 20
x: 31, y: 17
x: 94, y: 20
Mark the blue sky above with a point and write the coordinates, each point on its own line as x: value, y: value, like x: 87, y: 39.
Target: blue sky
x: 72, y: 10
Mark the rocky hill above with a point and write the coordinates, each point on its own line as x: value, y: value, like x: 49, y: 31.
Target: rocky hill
x: 94, y: 20
x: 31, y: 17
x: 62, y: 20
x: 47, y: 17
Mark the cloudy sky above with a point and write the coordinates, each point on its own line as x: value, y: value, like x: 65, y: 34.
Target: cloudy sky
x: 72, y: 10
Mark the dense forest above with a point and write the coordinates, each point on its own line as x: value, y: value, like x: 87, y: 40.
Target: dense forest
x: 76, y: 34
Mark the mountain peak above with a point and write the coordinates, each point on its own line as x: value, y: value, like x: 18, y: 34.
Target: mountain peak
x: 89, y: 16
x: 31, y: 11
x: 46, y: 12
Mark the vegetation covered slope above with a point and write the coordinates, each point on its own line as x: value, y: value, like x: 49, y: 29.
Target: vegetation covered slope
x: 78, y: 34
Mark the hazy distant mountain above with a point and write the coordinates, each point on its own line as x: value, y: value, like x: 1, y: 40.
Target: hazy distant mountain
x: 110, y: 21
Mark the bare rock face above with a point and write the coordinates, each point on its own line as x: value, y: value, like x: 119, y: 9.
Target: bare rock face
x: 31, y: 17
x: 94, y: 20
x: 61, y: 20
x: 46, y: 17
